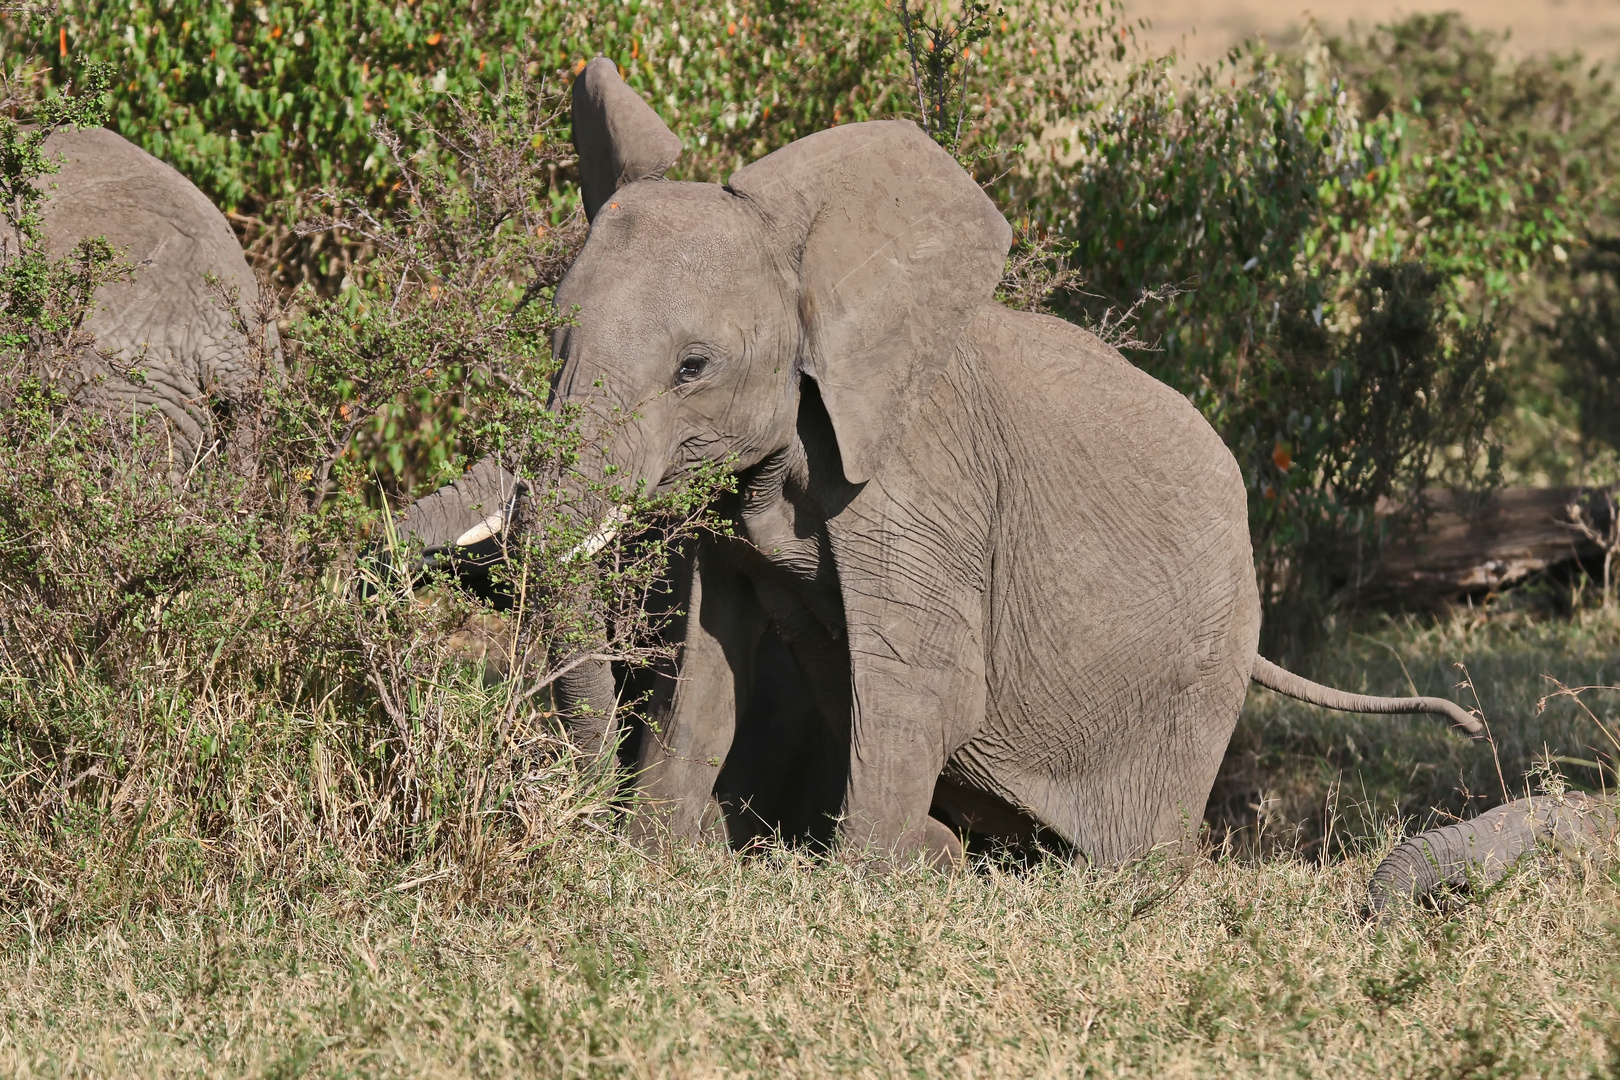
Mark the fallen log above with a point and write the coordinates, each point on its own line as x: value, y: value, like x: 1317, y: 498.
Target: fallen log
x: 1458, y: 546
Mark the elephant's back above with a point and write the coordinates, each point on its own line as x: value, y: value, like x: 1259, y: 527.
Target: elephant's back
x: 1134, y: 471
x: 173, y: 236
x: 1129, y: 616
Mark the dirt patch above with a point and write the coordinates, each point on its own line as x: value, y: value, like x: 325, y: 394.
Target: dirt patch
x: 1205, y: 29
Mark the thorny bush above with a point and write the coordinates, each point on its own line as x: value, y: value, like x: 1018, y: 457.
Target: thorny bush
x: 205, y: 679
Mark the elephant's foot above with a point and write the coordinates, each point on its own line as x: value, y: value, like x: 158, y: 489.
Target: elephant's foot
x: 651, y: 827
x: 942, y: 848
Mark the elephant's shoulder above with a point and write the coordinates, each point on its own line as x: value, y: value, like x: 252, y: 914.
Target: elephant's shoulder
x: 1046, y: 340
x: 1065, y: 384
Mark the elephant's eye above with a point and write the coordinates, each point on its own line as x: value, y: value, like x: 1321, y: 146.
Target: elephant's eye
x: 692, y: 367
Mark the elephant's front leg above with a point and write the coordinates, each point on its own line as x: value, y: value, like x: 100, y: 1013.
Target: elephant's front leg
x: 918, y: 681
x: 690, y: 730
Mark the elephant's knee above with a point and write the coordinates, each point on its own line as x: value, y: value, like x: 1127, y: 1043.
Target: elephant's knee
x: 655, y: 825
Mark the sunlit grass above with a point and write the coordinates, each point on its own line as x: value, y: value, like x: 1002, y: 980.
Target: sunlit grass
x: 585, y: 957
x: 702, y: 965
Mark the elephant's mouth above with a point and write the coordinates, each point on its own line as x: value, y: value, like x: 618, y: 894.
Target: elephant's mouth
x: 691, y: 453
x: 681, y: 461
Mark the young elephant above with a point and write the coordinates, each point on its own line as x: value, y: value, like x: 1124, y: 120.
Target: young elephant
x: 165, y: 320
x: 1014, y: 571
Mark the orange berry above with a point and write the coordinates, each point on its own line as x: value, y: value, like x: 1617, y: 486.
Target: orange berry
x: 434, y: 38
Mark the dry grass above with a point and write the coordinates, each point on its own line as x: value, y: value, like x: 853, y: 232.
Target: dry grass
x: 591, y: 959
x: 702, y: 965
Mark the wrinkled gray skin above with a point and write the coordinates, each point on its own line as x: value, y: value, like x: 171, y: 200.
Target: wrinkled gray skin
x: 1012, y: 571
x: 164, y: 320
x: 1481, y: 851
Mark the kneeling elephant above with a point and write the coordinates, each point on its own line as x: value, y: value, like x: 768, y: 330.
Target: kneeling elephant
x: 1011, y: 571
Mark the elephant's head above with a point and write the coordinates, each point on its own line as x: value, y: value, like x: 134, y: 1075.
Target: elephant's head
x: 855, y: 257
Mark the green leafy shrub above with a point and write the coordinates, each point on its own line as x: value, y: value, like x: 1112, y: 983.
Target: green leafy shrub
x: 259, y: 103
x: 1585, y: 334
x: 203, y: 682
x: 1501, y: 173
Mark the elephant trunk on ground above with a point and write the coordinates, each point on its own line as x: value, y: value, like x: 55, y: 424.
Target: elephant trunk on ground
x: 1483, y: 850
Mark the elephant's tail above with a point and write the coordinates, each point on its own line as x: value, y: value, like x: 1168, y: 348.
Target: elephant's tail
x: 1482, y: 851
x: 1275, y: 678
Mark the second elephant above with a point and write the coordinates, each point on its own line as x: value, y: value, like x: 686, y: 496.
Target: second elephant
x: 1482, y: 850
x: 165, y: 321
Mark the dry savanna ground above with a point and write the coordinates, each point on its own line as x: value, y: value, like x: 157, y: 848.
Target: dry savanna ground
x: 1205, y: 29
x: 597, y: 960
x: 701, y: 965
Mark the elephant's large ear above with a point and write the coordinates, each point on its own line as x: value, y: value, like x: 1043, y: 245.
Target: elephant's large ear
x: 900, y: 246
x: 619, y: 138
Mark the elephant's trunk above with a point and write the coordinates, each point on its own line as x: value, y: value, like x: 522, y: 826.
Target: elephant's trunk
x: 1482, y: 851
x: 468, y: 526
x: 585, y: 694
x: 587, y: 700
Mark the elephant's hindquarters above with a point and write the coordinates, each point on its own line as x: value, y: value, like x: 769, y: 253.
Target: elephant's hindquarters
x: 1124, y: 616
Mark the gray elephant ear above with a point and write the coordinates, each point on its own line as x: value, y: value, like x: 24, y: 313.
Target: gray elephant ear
x: 618, y: 136
x: 899, y: 248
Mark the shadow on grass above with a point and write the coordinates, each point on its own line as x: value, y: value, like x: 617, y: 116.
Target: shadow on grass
x: 1316, y: 783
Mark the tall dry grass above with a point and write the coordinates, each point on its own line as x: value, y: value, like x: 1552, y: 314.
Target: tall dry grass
x: 298, y: 953
x: 700, y: 964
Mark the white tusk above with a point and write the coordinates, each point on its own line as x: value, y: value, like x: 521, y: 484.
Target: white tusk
x: 490, y: 526
x: 602, y: 537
